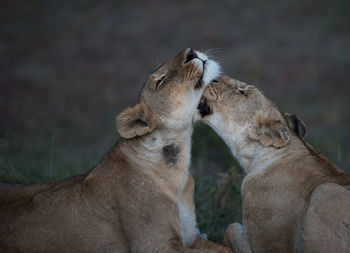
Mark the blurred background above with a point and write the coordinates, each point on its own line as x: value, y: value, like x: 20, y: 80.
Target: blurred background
x: 67, y: 68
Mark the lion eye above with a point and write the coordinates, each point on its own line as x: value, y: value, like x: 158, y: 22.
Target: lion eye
x: 159, y: 82
x: 242, y: 91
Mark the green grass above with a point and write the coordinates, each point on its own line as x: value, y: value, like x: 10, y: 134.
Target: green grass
x: 218, y: 179
x: 218, y: 204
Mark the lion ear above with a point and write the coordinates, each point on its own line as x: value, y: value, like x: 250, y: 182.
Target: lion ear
x: 270, y: 132
x: 296, y: 124
x: 135, y: 121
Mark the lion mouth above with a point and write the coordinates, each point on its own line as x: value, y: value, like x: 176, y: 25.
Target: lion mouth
x: 200, y: 82
x: 210, y: 68
x: 204, y: 109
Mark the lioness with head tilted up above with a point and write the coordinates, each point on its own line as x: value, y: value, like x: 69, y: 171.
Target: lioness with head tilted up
x: 139, y: 197
x: 294, y: 199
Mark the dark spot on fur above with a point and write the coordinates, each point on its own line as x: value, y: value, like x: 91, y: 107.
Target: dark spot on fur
x: 204, y: 108
x: 170, y: 153
x: 154, y: 139
x: 215, y: 81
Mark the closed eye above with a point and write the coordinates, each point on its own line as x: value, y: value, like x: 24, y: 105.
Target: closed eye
x: 243, y: 92
x: 159, y: 82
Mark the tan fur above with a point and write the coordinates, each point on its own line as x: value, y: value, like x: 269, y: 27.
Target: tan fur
x: 269, y: 132
x: 294, y: 198
x: 141, y: 119
x: 138, y: 198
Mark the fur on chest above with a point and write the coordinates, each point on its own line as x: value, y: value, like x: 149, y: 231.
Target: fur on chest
x: 188, y: 224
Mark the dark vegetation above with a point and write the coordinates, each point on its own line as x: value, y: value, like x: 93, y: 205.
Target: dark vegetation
x: 68, y: 68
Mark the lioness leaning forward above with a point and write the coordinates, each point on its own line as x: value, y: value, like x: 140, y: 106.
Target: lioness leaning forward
x: 139, y: 198
x: 294, y: 199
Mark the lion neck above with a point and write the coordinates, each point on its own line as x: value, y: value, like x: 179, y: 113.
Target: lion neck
x: 256, y: 158
x: 164, y: 155
x: 251, y: 154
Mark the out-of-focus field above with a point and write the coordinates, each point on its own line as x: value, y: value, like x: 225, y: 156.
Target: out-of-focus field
x: 68, y: 68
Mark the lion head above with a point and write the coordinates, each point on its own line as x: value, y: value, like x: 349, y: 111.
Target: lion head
x: 170, y: 95
x: 237, y: 108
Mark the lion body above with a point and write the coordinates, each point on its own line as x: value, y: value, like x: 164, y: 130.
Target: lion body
x: 63, y: 216
x: 293, y: 198
x: 139, y: 197
x: 287, y: 209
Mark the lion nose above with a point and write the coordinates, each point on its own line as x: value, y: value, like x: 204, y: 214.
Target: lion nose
x: 191, y: 55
